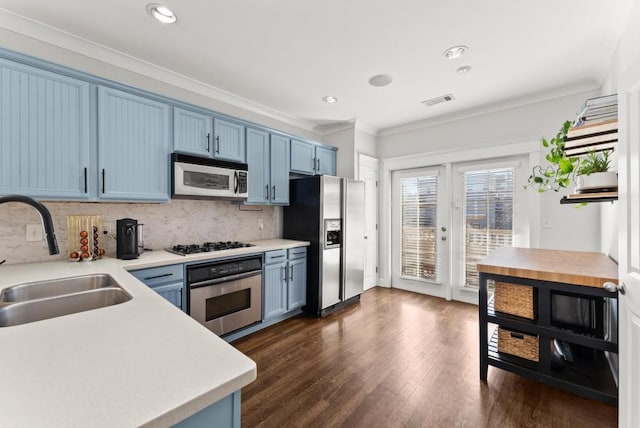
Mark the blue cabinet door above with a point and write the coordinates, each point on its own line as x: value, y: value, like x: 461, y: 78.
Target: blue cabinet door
x: 279, y: 170
x: 229, y: 143
x: 325, y: 161
x: 303, y: 158
x: 297, y: 283
x: 274, y: 298
x: 44, y: 133
x: 133, y: 147
x: 258, y: 163
x: 192, y: 132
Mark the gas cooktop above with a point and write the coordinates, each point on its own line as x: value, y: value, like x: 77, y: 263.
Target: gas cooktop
x: 183, y: 250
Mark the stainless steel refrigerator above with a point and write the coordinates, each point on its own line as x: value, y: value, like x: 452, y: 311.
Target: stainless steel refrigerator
x: 329, y: 212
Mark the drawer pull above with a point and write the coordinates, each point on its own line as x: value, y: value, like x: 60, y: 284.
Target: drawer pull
x: 277, y: 257
x: 517, y: 335
x: 157, y: 276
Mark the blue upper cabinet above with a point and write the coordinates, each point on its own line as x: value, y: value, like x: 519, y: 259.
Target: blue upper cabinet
x: 325, y: 161
x: 268, y: 161
x: 258, y: 163
x: 312, y: 159
x: 303, y: 157
x: 279, y: 169
x: 133, y: 147
x: 229, y: 143
x: 44, y: 133
x: 192, y: 132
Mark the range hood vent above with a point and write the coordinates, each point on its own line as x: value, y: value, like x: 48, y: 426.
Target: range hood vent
x: 438, y: 100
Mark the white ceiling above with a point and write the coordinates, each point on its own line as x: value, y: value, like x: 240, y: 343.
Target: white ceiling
x: 287, y: 54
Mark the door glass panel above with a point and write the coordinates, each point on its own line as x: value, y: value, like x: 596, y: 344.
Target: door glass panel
x: 229, y: 303
x: 419, y: 201
x: 488, y: 216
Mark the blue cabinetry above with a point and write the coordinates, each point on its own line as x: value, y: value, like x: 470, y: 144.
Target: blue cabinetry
x: 168, y: 281
x: 312, y: 159
x: 192, y: 132
x: 285, y: 281
x: 268, y: 161
x: 133, y: 147
x: 44, y: 133
x: 229, y: 142
x: 225, y: 413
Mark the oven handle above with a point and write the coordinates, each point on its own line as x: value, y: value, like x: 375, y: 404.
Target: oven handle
x: 225, y: 279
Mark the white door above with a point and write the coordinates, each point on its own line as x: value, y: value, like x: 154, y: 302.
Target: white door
x: 629, y: 247
x: 368, y: 172
x: 420, y: 219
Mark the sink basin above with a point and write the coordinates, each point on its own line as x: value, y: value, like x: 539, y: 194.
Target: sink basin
x: 41, y: 309
x: 56, y: 287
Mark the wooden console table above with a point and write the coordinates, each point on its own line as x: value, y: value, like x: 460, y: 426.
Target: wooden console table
x: 549, y: 272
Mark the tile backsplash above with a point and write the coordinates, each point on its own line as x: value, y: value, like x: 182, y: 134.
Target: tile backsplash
x: 180, y: 221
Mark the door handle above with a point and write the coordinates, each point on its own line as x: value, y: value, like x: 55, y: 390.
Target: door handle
x: 318, y: 169
x: 103, y: 174
x: 208, y: 142
x: 613, y: 287
x: 266, y: 193
x: 290, y: 273
x: 85, y: 180
x: 217, y: 144
x: 284, y: 273
x: 273, y: 191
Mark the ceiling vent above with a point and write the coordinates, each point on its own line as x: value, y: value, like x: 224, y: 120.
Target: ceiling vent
x: 438, y: 100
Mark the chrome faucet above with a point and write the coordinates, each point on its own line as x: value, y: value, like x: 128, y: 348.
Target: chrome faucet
x: 44, y: 214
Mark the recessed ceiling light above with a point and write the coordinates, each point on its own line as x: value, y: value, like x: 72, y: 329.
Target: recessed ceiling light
x: 329, y: 99
x: 161, y: 13
x: 464, y: 69
x: 454, y: 52
x: 380, y: 80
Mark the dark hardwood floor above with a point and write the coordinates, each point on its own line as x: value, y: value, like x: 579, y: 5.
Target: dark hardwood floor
x: 397, y: 359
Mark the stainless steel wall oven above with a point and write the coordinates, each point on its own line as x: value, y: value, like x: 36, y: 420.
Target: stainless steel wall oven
x: 226, y: 295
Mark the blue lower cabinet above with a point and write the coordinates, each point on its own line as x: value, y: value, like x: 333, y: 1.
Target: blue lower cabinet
x: 167, y: 281
x: 222, y: 414
x: 285, y: 281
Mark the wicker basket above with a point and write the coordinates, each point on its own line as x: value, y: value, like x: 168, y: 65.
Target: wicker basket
x: 514, y: 299
x: 519, y: 344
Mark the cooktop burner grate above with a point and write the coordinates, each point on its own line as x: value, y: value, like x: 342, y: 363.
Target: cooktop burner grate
x: 183, y: 250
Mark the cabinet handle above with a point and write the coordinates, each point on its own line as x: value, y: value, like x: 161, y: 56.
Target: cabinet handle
x: 313, y: 163
x: 208, y: 142
x: 146, y: 278
x: 318, y: 165
x: 284, y: 273
x: 85, y: 180
x: 103, y: 174
x: 273, y: 191
x: 517, y: 335
x: 235, y: 182
x: 290, y: 273
x: 266, y: 193
x: 217, y: 144
x: 277, y: 257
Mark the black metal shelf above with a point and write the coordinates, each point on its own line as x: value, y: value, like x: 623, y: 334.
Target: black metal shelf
x: 566, y: 200
x: 588, y: 376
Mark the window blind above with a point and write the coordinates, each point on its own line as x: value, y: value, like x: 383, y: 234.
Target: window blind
x: 419, y: 220
x: 488, y: 216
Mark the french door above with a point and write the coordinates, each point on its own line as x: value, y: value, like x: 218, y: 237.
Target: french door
x: 419, y: 238
x: 447, y: 218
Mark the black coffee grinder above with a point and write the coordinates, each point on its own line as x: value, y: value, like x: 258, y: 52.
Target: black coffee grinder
x: 127, y: 239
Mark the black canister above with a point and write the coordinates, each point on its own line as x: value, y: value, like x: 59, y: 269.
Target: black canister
x: 127, y: 239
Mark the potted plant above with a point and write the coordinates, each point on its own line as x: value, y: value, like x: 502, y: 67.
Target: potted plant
x: 594, y: 173
x: 588, y: 173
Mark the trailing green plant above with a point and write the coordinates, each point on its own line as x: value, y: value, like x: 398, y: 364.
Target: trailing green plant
x: 595, y: 162
x: 561, y: 169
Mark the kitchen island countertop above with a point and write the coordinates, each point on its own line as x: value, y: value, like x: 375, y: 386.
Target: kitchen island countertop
x: 142, y: 362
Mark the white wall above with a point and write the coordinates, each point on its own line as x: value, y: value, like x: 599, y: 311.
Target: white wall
x: 344, y: 140
x: 513, y: 131
x: 626, y: 54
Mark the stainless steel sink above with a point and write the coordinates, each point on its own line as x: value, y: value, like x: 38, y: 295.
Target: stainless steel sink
x: 56, y: 287
x: 37, y: 301
x: 41, y: 309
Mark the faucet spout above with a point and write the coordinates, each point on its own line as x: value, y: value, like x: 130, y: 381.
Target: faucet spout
x: 45, y: 215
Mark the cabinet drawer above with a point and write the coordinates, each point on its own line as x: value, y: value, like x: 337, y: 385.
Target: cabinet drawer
x: 297, y: 253
x: 519, y: 344
x: 160, y: 275
x: 275, y: 256
x: 172, y: 292
x: 514, y: 299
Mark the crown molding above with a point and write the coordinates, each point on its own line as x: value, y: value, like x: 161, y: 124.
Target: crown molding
x: 52, y: 36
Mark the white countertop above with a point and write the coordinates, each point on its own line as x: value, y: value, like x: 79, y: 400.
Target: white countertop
x: 142, y: 362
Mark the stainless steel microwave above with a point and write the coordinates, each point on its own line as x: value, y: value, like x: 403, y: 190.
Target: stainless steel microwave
x: 195, y: 177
